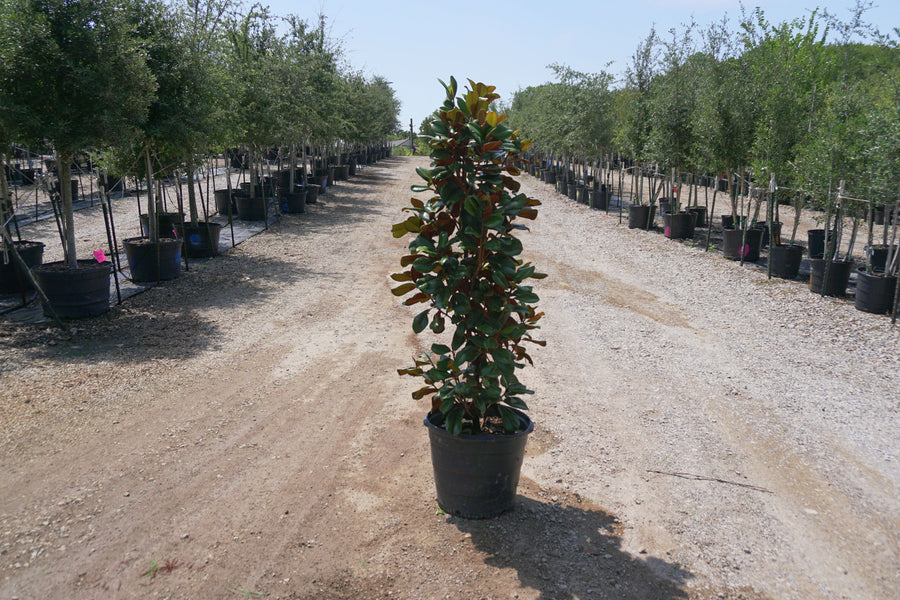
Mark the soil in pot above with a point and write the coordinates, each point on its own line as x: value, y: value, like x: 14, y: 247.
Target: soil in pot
x: 874, y: 292
x: 76, y: 293
x: 201, y: 241
x: 149, y: 261
x: 641, y: 216
x: 476, y: 476
x: 735, y: 245
x: 13, y: 279
x: 786, y: 259
x: 838, y: 276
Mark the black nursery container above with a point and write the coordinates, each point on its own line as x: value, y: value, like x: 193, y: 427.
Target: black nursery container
x: 476, y: 476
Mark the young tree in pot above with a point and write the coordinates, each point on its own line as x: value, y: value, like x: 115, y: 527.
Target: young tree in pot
x: 635, y: 126
x: 169, y: 128
x: 464, y: 263
x: 672, y: 139
x: 203, y: 124
x: 80, y: 81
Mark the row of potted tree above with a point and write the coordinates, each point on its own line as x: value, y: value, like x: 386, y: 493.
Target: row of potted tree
x: 805, y: 112
x: 151, y: 87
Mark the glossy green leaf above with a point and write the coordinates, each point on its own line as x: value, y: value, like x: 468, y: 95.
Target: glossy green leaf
x: 440, y: 349
x: 420, y: 321
x: 403, y: 289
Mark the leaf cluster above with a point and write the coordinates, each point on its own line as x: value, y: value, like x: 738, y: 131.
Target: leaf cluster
x: 464, y: 263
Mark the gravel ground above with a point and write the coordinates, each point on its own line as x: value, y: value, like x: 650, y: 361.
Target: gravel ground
x: 701, y: 432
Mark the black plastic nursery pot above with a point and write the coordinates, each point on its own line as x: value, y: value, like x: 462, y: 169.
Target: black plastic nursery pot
x: 582, y: 194
x: 735, y: 245
x: 295, y: 202
x: 166, y: 224
x: 664, y: 206
x: 201, y: 241
x: 679, y: 226
x: 246, y: 187
x: 13, y: 278
x: 838, y: 276
x: 874, y: 292
x: 599, y: 199
x: 223, y: 199
x: 816, y: 243
x: 640, y: 216
x: 312, y: 192
x: 75, y: 293
x: 776, y: 229
x: 786, y: 259
x: 727, y: 221
x: 476, y: 476
x: 150, y: 261
x: 879, y: 257
x: 251, y: 209
x: 700, y: 212
x: 572, y: 191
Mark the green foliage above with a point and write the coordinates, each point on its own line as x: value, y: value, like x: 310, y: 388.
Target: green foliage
x: 726, y: 114
x: 673, y: 101
x: 785, y: 63
x: 571, y: 116
x: 465, y: 264
x: 854, y: 133
x: 633, y: 103
x: 74, y: 74
x: 71, y: 72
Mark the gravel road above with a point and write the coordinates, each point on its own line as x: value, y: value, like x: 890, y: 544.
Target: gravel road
x: 701, y: 432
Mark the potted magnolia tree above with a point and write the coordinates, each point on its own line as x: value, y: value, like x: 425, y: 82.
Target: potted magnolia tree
x: 464, y: 263
x: 73, y: 75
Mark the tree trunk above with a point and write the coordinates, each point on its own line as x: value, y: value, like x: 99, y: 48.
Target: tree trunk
x: 192, y: 195
x: 152, y: 223
x: 65, y: 194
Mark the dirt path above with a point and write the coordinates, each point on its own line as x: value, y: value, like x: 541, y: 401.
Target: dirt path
x: 241, y: 432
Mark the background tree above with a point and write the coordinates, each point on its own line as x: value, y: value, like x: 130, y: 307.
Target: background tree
x: 73, y: 74
x: 673, y: 100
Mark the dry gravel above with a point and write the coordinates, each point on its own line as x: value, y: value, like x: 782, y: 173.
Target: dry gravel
x: 702, y: 432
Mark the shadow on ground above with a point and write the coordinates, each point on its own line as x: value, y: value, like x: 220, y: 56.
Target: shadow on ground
x: 164, y: 322
x: 568, y: 548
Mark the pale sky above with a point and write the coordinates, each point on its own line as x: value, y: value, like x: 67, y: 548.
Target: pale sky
x: 413, y: 43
